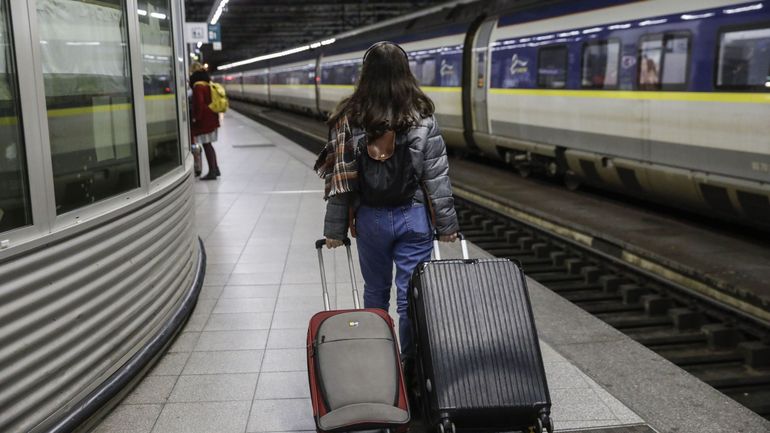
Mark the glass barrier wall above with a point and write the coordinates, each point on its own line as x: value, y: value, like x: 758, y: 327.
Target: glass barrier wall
x: 15, y: 210
x: 87, y: 76
x: 159, y: 86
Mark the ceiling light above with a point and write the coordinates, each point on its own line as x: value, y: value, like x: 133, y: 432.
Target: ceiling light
x: 265, y: 57
x: 218, y: 12
x: 652, y: 22
x: 754, y: 7
x: 697, y: 17
x: 158, y: 15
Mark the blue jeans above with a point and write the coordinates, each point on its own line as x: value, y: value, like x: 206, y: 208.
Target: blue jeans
x: 386, y: 235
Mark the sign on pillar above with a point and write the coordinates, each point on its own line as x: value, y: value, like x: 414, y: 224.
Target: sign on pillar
x: 196, y: 32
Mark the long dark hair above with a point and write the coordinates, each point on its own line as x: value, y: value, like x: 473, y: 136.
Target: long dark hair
x: 387, y: 95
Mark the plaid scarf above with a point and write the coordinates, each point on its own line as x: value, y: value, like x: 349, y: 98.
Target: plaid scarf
x: 337, y: 164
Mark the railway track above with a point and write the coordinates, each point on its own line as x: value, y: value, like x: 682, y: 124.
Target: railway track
x: 719, y: 344
x: 711, y: 341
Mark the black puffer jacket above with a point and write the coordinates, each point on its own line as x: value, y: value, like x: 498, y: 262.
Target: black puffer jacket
x: 430, y: 162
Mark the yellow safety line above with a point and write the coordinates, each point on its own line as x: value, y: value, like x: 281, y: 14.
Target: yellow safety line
x: 626, y: 256
x: 744, y: 98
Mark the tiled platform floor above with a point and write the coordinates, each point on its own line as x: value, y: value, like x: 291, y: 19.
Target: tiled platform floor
x: 239, y: 363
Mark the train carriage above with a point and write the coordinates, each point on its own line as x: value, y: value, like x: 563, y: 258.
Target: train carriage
x: 644, y: 103
x: 294, y: 86
x: 255, y: 86
x: 663, y: 100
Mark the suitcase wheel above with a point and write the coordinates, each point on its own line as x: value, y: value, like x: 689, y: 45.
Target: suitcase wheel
x: 544, y: 423
x: 446, y: 426
x: 547, y: 423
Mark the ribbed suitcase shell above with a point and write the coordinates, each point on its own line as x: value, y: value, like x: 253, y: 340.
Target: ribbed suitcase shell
x: 477, y: 345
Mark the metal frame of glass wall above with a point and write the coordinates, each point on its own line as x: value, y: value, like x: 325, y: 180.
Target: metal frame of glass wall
x: 50, y: 119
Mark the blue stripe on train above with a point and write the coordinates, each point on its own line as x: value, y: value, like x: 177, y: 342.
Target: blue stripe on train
x: 515, y: 62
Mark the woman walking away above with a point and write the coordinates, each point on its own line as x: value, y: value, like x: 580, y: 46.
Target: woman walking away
x: 386, y: 174
x: 204, y: 121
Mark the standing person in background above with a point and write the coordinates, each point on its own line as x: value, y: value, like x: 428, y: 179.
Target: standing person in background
x: 204, y: 121
x: 386, y: 174
x: 194, y: 148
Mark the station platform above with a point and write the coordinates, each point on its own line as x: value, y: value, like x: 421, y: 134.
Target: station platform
x: 710, y: 258
x: 238, y: 365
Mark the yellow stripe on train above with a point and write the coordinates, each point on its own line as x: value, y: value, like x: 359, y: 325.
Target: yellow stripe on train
x: 738, y: 98
x: 77, y: 111
x: 350, y: 87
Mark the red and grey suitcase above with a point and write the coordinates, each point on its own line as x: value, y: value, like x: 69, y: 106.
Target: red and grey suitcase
x: 479, y: 364
x: 354, y: 366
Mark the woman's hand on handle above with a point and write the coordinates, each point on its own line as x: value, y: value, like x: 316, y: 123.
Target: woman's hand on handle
x: 333, y: 243
x: 448, y: 238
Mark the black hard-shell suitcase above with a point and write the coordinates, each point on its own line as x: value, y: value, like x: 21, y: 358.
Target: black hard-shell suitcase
x: 478, y: 358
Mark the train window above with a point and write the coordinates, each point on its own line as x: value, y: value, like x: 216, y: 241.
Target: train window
x: 664, y: 61
x: 744, y: 60
x: 552, y: 67
x: 424, y: 70
x: 600, y: 65
x: 84, y: 51
x: 345, y: 74
x: 254, y: 79
x: 428, y: 71
x: 650, y: 56
x: 676, y: 56
x: 450, y: 71
x: 15, y: 208
x: 481, y: 69
x: 159, y: 86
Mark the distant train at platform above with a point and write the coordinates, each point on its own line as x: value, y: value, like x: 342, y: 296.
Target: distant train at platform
x: 664, y: 100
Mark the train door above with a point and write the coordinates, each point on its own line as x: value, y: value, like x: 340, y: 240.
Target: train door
x: 268, y: 72
x: 479, y: 83
x: 317, y: 82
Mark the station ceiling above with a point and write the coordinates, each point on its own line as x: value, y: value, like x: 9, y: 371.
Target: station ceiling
x: 255, y: 27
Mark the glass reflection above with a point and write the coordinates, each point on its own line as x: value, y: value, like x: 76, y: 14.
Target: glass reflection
x: 159, y: 86
x: 88, y: 96
x: 14, y: 190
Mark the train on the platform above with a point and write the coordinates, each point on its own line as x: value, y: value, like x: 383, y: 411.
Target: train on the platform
x: 664, y: 100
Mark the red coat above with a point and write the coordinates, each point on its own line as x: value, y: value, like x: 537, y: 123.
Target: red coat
x: 204, y: 120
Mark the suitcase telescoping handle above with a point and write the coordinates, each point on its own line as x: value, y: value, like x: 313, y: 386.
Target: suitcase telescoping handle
x: 319, y: 244
x: 463, y: 245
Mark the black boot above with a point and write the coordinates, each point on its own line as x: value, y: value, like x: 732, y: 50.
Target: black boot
x: 209, y: 176
x: 216, y: 171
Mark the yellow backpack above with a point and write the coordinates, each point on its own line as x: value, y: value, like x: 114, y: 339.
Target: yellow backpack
x: 219, y: 102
